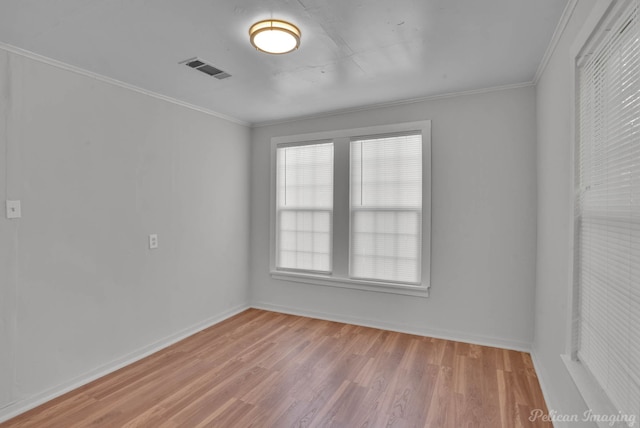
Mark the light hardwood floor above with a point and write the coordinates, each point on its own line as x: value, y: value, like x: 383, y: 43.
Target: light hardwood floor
x: 265, y: 369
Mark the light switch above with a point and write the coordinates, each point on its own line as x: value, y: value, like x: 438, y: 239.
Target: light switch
x: 13, y: 209
x: 153, y: 241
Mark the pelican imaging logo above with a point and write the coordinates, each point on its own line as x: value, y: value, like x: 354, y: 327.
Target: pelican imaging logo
x: 588, y: 416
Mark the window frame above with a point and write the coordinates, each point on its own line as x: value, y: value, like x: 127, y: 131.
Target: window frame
x: 279, y: 211
x: 592, y: 32
x: 339, y: 277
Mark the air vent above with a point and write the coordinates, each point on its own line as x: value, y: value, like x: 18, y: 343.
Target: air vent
x: 200, y: 65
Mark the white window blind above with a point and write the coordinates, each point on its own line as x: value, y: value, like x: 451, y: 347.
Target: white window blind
x: 386, y: 208
x: 304, y: 206
x: 607, y: 265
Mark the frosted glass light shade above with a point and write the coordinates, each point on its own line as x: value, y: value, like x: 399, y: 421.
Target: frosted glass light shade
x: 274, y: 36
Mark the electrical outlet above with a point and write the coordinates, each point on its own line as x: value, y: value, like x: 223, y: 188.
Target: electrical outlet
x: 13, y: 209
x: 153, y: 241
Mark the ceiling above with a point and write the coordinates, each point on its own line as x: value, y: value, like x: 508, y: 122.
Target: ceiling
x: 353, y: 52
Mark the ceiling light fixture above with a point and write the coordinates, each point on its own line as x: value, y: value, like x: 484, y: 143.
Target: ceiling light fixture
x: 274, y: 36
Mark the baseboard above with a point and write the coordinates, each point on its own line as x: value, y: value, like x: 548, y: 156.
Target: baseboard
x: 21, y: 406
x: 401, y: 328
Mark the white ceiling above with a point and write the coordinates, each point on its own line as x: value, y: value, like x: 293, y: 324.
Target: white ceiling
x: 353, y: 52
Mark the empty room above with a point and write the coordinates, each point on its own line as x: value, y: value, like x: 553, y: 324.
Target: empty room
x: 313, y: 213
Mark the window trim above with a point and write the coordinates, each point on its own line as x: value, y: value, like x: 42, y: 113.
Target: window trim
x: 339, y: 276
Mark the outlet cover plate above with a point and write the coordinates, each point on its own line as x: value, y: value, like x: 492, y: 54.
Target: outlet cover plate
x: 14, y: 209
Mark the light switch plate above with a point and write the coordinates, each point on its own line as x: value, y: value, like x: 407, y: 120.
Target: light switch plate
x: 153, y: 241
x: 13, y: 209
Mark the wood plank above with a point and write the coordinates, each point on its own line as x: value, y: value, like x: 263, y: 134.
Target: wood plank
x: 265, y: 369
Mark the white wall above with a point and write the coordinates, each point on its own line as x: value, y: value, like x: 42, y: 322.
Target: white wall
x: 483, y: 223
x: 554, y: 109
x: 98, y: 167
x: 7, y: 234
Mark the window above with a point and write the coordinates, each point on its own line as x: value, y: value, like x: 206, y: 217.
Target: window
x: 607, y: 262
x: 351, y: 208
x: 386, y: 206
x: 305, y: 206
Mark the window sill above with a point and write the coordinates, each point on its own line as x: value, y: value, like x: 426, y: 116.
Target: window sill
x: 595, y: 398
x: 354, y: 284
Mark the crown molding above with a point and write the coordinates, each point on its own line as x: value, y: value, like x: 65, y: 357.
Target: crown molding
x: 394, y: 103
x: 555, y: 39
x: 77, y: 70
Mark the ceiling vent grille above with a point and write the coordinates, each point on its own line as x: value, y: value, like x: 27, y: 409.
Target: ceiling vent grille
x: 208, y: 69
